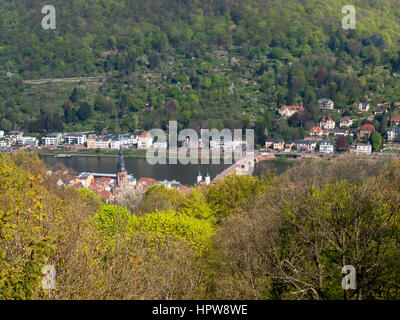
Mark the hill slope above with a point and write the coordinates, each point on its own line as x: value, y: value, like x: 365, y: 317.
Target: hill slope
x: 181, y: 59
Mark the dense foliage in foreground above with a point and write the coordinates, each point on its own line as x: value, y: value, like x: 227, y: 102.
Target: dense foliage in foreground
x: 283, y: 237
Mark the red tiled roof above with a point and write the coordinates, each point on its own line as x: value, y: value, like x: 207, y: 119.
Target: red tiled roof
x: 104, y: 194
x: 345, y: 119
x: 144, y: 135
x: 396, y: 118
x: 319, y: 129
x: 367, y: 127
x: 146, y: 180
x: 326, y: 118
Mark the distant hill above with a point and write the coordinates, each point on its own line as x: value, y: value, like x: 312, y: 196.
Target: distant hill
x: 182, y: 59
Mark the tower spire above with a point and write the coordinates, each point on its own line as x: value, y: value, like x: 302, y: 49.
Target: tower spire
x: 121, y: 162
x: 122, y: 174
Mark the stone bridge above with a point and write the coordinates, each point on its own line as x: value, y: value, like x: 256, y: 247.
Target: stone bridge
x: 245, y: 165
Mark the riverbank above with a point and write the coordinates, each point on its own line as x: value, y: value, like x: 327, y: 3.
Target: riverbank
x: 115, y: 154
x: 94, y: 153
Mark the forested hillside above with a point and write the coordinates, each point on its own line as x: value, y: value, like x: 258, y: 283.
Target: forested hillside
x: 212, y: 63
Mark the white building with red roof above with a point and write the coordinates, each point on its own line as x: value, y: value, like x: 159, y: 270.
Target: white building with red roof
x: 395, y: 121
x: 144, y: 141
x: 327, y: 123
x: 345, y: 122
x: 316, y: 132
x: 366, y: 130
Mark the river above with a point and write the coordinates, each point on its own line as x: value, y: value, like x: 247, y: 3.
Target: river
x: 139, y: 167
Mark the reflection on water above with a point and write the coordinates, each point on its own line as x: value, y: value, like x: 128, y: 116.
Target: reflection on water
x: 139, y: 167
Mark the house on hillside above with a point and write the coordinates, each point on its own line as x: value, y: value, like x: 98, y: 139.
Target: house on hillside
x: 326, y: 146
x: 325, y: 104
x: 366, y: 131
x: 363, y: 106
x: 340, y: 132
x: 379, y: 112
x: 395, y: 121
x: 393, y: 134
x: 345, y: 122
x: 316, y: 132
x: 288, y: 111
x: 327, y: 123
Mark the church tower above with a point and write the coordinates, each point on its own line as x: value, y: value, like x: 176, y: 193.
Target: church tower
x: 122, y: 174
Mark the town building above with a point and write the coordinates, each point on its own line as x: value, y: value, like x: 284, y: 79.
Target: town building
x: 393, y: 134
x: 361, y: 148
x: 325, y: 104
x: 28, y: 141
x: 305, y: 145
x: 289, y: 146
x: 75, y: 139
x: 345, y: 122
x: 53, y: 139
x: 340, y: 132
x: 115, y: 143
x: 128, y: 139
x: 363, y: 106
x: 5, y: 143
x: 170, y: 184
x: 395, y: 121
x: 379, y: 112
x: 14, y: 135
x: 275, y: 144
x: 91, y: 142
x: 316, y: 132
x: 145, y: 183
x: 366, y: 131
x: 144, y: 141
x: 1, y: 133
x: 104, y: 142
x: 326, y: 146
x: 327, y: 123
x: 288, y: 111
